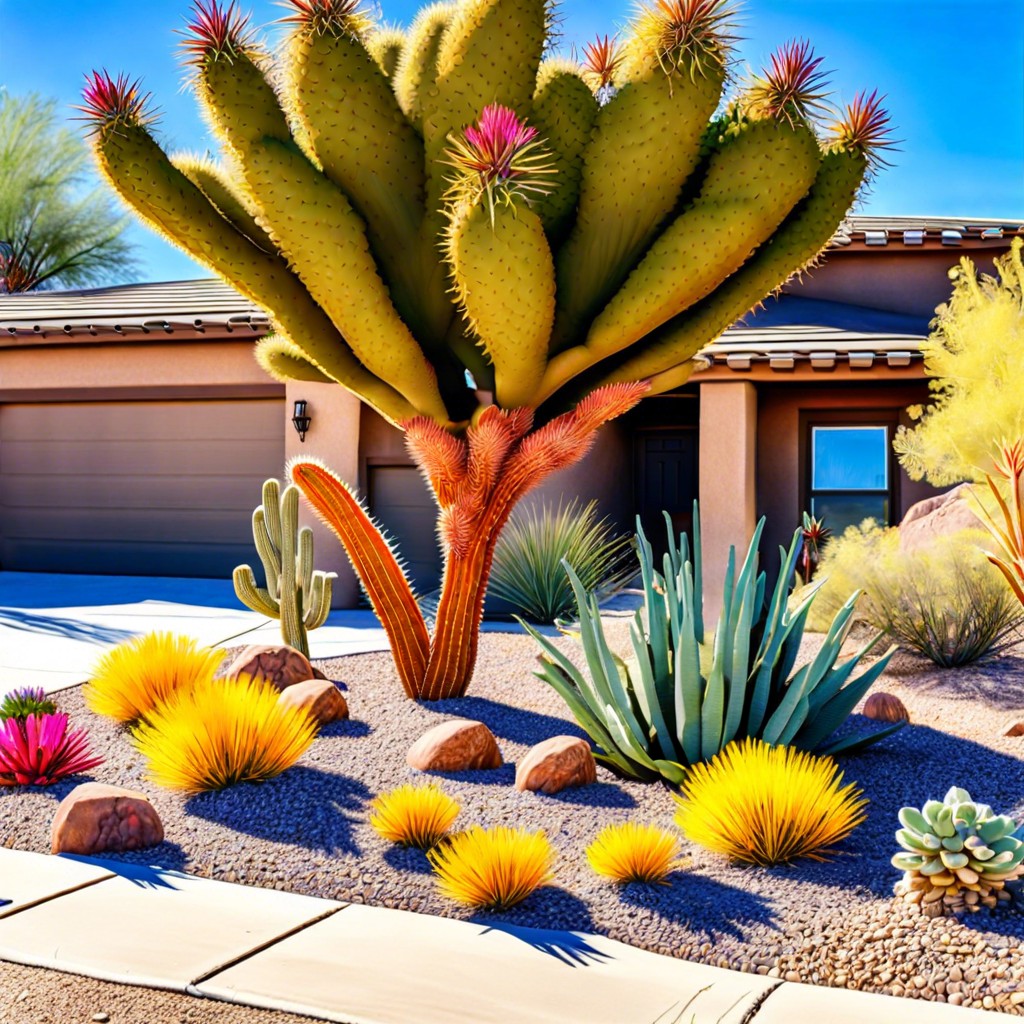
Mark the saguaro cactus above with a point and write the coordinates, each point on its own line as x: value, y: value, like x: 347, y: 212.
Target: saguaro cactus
x: 295, y: 593
x: 475, y: 238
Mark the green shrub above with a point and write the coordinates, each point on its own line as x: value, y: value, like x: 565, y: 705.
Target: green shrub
x: 945, y: 602
x: 528, y: 571
x: 684, y: 696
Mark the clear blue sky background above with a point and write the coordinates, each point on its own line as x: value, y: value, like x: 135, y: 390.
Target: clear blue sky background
x: 952, y: 71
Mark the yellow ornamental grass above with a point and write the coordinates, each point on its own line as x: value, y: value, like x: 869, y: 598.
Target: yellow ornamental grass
x: 414, y: 815
x: 766, y: 805
x: 130, y: 680
x: 220, y: 733
x: 493, y: 868
x: 630, y: 852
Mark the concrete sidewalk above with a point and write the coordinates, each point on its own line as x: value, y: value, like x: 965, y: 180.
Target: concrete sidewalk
x: 369, y: 965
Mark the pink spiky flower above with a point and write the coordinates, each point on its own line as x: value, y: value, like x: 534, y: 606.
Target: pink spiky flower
x: 693, y: 34
x: 328, y: 17
x: 865, y: 127
x: 791, y: 87
x: 601, y: 60
x: 216, y: 31
x: 108, y: 101
x: 39, y: 750
x: 501, y: 157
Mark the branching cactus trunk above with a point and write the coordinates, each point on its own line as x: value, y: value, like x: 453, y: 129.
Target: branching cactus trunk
x: 295, y: 593
x: 429, y: 217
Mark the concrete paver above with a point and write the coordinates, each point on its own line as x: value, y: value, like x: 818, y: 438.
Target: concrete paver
x: 145, y: 926
x: 27, y: 878
x: 371, y: 965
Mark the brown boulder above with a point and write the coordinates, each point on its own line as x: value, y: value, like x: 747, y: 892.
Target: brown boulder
x: 886, y: 707
x: 319, y: 697
x: 281, y: 665
x: 456, y: 746
x: 96, y: 818
x: 1014, y: 728
x: 556, y: 764
x: 941, y: 516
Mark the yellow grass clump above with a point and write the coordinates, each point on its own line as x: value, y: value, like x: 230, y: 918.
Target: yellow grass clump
x: 493, y: 868
x: 629, y: 852
x: 132, y: 678
x: 414, y: 815
x: 219, y: 733
x: 767, y: 805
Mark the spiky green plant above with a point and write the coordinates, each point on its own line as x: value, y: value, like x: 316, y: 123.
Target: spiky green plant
x: 528, y: 572
x: 296, y: 594
x: 25, y: 701
x: 683, y: 695
x: 957, y: 854
x: 471, y: 207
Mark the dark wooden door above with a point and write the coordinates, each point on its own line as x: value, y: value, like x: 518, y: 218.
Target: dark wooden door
x: 665, y: 477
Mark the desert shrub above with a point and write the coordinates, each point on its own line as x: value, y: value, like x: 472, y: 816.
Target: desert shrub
x: 39, y: 749
x: 493, y: 868
x: 414, y: 815
x: 630, y: 852
x: 765, y: 805
x: 29, y: 700
x: 686, y: 692
x: 528, y: 571
x: 219, y: 732
x: 975, y: 355
x: 133, y: 677
x: 946, y: 602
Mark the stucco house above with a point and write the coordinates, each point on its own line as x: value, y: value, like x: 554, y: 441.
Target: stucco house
x: 136, y: 428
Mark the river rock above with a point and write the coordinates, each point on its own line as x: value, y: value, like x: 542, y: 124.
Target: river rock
x: 96, y: 818
x: 941, y: 516
x: 456, y: 746
x: 319, y: 697
x: 280, y: 665
x: 556, y: 764
x: 886, y: 707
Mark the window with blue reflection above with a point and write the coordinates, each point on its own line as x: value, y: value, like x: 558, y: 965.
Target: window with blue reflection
x: 850, y: 475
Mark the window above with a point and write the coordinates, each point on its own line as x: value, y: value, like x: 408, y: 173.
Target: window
x: 850, y: 474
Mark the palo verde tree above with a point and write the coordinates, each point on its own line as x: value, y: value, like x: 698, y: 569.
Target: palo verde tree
x: 497, y: 250
x: 54, y: 231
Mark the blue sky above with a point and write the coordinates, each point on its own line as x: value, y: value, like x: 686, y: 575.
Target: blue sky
x: 952, y: 72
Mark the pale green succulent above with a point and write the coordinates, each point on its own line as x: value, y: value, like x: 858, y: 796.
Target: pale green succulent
x: 956, y: 847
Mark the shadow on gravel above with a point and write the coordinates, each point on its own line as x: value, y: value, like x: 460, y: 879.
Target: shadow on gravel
x: 351, y: 728
x: 997, y: 681
x: 597, y: 794
x: 707, y: 906
x: 408, y: 858
x: 548, y: 907
x: 165, y: 855
x: 504, y: 776
x: 573, y: 950
x: 304, y: 807
x: 506, y: 721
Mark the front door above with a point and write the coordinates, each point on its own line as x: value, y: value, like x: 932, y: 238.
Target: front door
x: 665, y: 478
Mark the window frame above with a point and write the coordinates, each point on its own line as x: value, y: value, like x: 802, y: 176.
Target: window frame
x: 881, y: 417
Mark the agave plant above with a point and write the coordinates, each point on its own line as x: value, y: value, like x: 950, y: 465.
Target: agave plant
x: 38, y: 750
x: 682, y: 697
x: 528, y: 571
x: 1009, y: 532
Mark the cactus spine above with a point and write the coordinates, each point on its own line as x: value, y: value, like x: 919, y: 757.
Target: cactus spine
x: 434, y: 217
x: 295, y: 593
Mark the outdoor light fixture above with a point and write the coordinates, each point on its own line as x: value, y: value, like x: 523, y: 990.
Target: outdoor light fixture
x: 301, y: 419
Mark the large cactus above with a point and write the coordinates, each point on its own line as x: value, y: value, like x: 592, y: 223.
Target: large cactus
x: 466, y: 232
x: 295, y: 593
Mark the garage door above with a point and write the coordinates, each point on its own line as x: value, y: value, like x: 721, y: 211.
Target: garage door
x: 402, y: 503
x: 140, y: 488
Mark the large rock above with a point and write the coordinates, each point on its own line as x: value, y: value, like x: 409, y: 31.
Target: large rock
x: 281, y: 665
x: 941, y: 516
x: 457, y: 746
x: 320, y: 697
x: 886, y: 707
x: 96, y: 818
x: 556, y: 764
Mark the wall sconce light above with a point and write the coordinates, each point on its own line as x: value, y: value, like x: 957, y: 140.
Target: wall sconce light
x: 301, y: 419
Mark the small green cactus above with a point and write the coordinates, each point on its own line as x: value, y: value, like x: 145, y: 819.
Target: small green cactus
x: 296, y: 594
x: 957, y: 855
x: 28, y: 700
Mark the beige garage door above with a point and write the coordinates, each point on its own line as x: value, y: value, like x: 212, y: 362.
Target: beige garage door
x: 402, y: 503
x: 142, y: 488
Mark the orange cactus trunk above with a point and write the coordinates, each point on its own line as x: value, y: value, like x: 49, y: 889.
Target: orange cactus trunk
x: 477, y: 481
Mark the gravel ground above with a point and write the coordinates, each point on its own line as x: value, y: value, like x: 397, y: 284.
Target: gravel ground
x: 832, y: 924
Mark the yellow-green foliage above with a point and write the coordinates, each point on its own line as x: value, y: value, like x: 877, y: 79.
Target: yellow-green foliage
x: 975, y: 354
x: 945, y: 601
x: 135, y: 676
x: 766, y: 805
x: 218, y: 733
x: 414, y: 815
x: 493, y: 868
x: 629, y: 852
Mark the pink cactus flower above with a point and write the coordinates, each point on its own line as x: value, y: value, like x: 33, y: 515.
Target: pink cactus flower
x: 39, y: 750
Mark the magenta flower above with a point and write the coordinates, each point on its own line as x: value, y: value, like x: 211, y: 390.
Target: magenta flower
x: 39, y: 750
x: 107, y: 100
